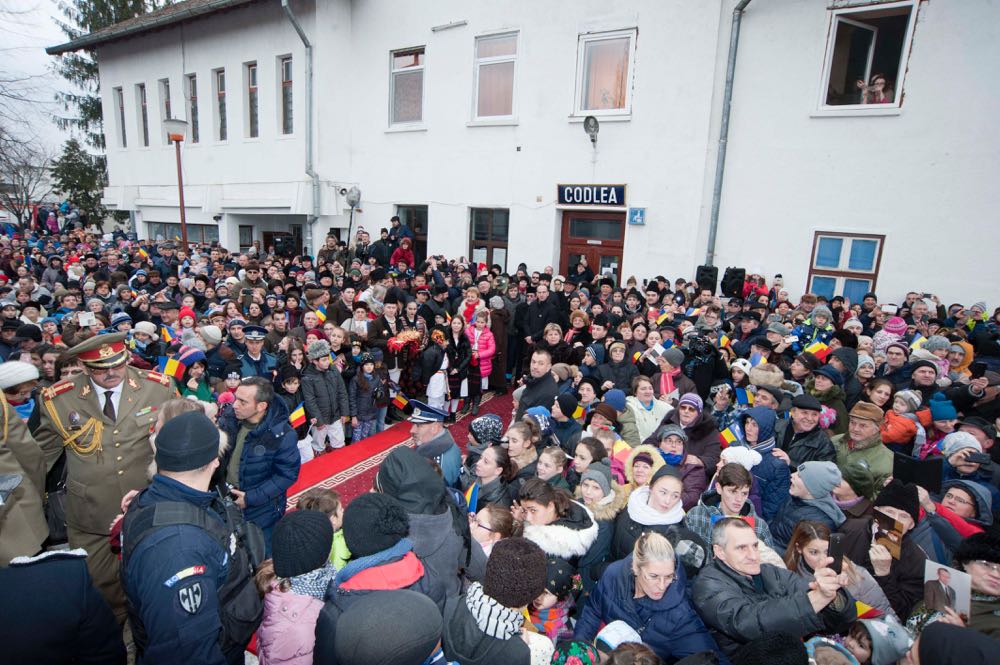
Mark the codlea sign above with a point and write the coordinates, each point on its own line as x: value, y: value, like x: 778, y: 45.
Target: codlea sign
x: 592, y: 195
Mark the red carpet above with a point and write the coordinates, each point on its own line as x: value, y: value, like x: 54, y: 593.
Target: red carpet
x: 351, y: 469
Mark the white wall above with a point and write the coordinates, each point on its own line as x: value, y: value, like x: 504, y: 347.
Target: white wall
x: 926, y: 178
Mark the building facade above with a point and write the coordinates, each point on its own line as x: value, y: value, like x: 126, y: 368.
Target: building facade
x: 467, y: 120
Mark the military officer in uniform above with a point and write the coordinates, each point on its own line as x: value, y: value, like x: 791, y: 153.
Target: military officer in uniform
x: 102, y: 418
x: 22, y: 480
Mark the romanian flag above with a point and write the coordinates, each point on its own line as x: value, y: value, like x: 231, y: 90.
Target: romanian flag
x: 693, y: 311
x: 636, y: 356
x: 662, y: 317
x: 175, y: 368
x: 298, y: 416
x: 819, y: 349
x: 472, y: 497
x: 579, y: 413
x: 866, y: 611
x: 724, y: 342
x: 321, y: 314
x: 731, y: 435
x: 161, y: 363
x: 757, y: 359
x: 744, y: 397
x: 143, y: 253
x: 400, y: 401
x: 918, y: 342
x: 167, y: 334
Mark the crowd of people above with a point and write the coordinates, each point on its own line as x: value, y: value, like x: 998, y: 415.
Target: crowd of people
x: 683, y: 477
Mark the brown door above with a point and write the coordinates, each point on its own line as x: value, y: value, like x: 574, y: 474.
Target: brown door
x: 597, y: 236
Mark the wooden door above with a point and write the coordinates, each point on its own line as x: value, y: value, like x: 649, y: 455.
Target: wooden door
x: 598, y: 236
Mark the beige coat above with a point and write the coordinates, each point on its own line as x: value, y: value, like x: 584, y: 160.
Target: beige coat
x: 22, y: 521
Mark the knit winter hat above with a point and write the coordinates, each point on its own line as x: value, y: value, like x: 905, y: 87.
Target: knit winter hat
x: 568, y: 404
x: 301, y: 542
x: 616, y: 398
x: 671, y: 429
x: 600, y: 473
x: 822, y: 310
x: 414, y: 629
x: 923, y: 362
x: 899, y: 345
x: 543, y: 417
x: 860, y: 478
x: 983, y: 546
x: 942, y: 408
x: 148, y: 328
x: 373, y: 523
x: 674, y: 356
x: 865, y: 359
x: 187, y: 442
x: 903, y: 496
x: 956, y: 441
x: 692, y: 400
x: 741, y: 364
x: 487, y: 429
x: 890, y: 641
x: 16, y: 372
x: 496, y: 302
x: 832, y: 374
x: 772, y: 649
x: 809, y: 361
x: 820, y: 478
x: 515, y: 572
x: 559, y: 577
x: 186, y: 311
x: 911, y: 398
x: 936, y: 343
x: 120, y: 317
x: 896, y: 326
x: 318, y: 349
x: 211, y: 334
x: 853, y: 324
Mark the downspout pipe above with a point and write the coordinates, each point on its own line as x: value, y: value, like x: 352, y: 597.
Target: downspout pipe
x: 727, y: 100
x: 310, y: 168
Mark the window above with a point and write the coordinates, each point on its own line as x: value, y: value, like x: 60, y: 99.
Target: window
x: 490, y: 229
x: 845, y: 264
x: 221, y: 130
x: 415, y: 216
x: 286, y: 95
x: 119, y: 95
x: 407, y: 86
x: 192, y: 89
x: 197, y: 233
x: 604, y: 73
x: 495, y: 56
x: 253, y: 116
x: 165, y: 114
x: 246, y: 237
x: 866, y: 55
x: 140, y: 98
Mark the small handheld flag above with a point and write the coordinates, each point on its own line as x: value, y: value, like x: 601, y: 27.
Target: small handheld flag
x: 866, y: 611
x: 321, y: 313
x: 662, y: 317
x: 724, y: 342
x: 757, y: 359
x: 578, y: 413
x: 167, y: 334
x: 400, y: 401
x: 143, y: 253
x: 744, y: 397
x: 472, y: 497
x: 819, y: 349
x: 298, y: 416
x: 918, y: 342
x: 731, y: 435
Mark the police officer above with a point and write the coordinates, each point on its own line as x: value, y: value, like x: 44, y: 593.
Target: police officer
x: 256, y: 361
x: 102, y: 418
x: 187, y: 569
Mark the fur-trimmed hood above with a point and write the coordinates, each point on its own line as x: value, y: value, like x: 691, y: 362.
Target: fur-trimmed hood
x: 569, y: 536
x: 649, y: 450
x: 610, y: 510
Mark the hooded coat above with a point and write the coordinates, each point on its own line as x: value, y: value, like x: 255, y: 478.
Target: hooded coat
x: 569, y: 537
x: 773, y: 476
x: 833, y: 398
x: 670, y: 626
x: 619, y: 373
x: 438, y: 530
x: 794, y: 510
x: 638, y: 422
x: 852, y: 387
x: 703, y: 437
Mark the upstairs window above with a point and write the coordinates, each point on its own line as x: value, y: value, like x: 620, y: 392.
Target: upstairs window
x: 253, y: 115
x: 120, y: 118
x: 192, y: 89
x: 407, y: 87
x: 140, y: 97
x: 495, y: 57
x: 221, y: 129
x: 866, y: 56
x: 286, y: 95
x: 165, y: 110
x: 604, y: 73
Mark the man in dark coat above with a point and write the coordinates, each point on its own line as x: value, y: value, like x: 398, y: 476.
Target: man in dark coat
x: 540, y: 313
x: 741, y: 599
x: 800, y: 439
x: 263, y: 459
x: 845, y: 360
x: 540, y: 387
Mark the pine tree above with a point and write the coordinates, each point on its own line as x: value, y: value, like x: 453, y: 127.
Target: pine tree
x: 80, y: 178
x: 83, y: 105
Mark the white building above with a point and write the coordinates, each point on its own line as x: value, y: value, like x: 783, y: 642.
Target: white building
x: 465, y: 118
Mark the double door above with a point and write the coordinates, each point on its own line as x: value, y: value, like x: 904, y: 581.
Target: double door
x: 598, y: 237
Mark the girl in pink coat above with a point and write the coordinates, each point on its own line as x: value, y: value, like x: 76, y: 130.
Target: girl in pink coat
x: 484, y: 347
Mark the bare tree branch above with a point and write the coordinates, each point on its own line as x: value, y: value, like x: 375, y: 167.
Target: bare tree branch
x: 24, y: 174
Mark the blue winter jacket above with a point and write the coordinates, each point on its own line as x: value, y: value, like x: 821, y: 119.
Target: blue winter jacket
x: 669, y: 626
x: 269, y: 464
x: 773, y: 476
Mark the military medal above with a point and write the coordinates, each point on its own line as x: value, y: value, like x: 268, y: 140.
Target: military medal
x: 74, y: 420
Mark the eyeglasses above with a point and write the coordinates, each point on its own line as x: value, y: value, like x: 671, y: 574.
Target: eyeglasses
x: 653, y: 578
x: 958, y: 499
x: 475, y: 522
x: 988, y: 565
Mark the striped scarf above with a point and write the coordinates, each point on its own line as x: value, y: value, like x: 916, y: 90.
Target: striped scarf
x: 492, y: 618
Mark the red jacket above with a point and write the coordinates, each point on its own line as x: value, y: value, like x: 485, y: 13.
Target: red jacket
x: 487, y: 348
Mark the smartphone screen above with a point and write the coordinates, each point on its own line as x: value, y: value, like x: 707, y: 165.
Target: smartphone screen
x: 977, y: 370
x: 836, y: 551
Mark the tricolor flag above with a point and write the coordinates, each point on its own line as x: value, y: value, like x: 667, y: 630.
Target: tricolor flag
x: 819, y: 349
x: 298, y: 416
x: 167, y: 334
x: 636, y: 356
x: 757, y: 359
x: 744, y: 397
x: 724, y: 342
x: 472, y: 497
x: 866, y: 611
x: 321, y: 313
x: 731, y: 435
x: 693, y: 311
x: 918, y: 342
x: 579, y: 413
x: 143, y: 253
x: 662, y: 317
x: 174, y: 368
x: 400, y: 401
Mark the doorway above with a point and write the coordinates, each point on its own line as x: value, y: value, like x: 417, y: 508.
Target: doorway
x: 597, y: 236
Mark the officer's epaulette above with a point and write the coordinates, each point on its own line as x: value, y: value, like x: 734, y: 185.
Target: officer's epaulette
x: 56, y: 389
x: 162, y: 379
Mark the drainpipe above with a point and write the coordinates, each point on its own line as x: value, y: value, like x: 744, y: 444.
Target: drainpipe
x: 310, y: 170
x: 720, y: 162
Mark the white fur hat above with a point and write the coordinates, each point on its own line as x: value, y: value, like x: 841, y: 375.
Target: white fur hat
x: 15, y: 372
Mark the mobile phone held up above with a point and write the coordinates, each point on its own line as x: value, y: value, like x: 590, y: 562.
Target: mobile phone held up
x: 836, y: 551
x: 977, y: 370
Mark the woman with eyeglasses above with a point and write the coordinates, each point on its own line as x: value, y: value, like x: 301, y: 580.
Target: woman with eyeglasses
x: 965, y: 509
x: 646, y: 590
x: 492, y: 524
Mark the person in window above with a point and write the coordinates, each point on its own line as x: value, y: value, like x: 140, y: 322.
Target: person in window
x: 878, y: 90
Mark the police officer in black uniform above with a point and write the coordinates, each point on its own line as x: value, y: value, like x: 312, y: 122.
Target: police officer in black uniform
x: 188, y: 557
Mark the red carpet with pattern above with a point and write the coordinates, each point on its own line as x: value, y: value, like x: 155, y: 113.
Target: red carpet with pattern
x: 351, y: 469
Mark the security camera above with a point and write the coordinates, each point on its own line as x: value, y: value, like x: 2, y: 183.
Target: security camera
x: 343, y: 191
x: 217, y: 218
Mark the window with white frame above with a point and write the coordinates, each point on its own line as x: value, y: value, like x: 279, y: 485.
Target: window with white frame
x: 605, y: 62
x: 165, y: 110
x: 866, y: 55
x: 253, y: 111
x: 407, y: 87
x: 119, y: 96
x: 287, y: 120
x: 845, y: 264
x: 192, y: 101
x: 219, y: 83
x: 143, y: 112
x: 495, y: 59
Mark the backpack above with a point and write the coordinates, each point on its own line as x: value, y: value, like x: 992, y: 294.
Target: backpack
x: 240, y: 605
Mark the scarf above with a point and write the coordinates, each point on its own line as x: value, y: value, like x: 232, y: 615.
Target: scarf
x: 764, y: 447
x: 667, y: 381
x: 313, y: 583
x: 640, y: 510
x: 829, y: 508
x: 492, y: 618
x: 398, y: 551
x: 850, y: 503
